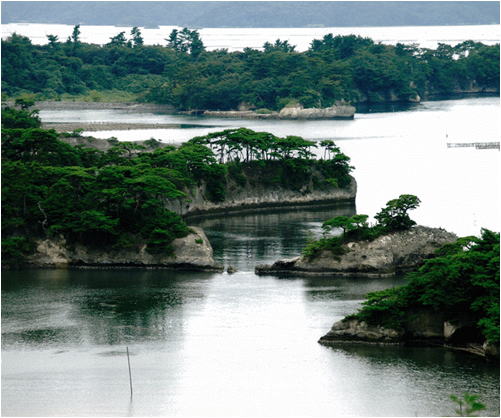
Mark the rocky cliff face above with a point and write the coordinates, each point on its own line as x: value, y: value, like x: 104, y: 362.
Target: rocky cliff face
x: 333, y: 112
x: 254, y: 199
x: 423, y: 327
x: 385, y: 256
x: 354, y: 330
x: 192, y: 252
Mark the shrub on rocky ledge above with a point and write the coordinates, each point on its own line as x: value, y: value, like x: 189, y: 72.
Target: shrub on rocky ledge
x: 393, y: 217
x: 462, y: 279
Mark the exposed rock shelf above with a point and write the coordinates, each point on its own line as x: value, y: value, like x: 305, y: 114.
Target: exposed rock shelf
x: 420, y: 328
x: 107, y: 126
x: 256, y: 199
x: 192, y: 252
x: 387, y: 255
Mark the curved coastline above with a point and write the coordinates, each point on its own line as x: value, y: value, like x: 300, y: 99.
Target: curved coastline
x: 255, y: 200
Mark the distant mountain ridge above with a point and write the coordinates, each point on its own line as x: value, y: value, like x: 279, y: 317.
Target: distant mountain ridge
x: 253, y: 14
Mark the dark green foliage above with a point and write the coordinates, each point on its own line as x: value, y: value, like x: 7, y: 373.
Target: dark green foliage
x: 163, y: 231
x: 386, y: 307
x: 236, y: 174
x: 20, y: 118
x: 137, y: 38
x: 244, y: 144
x: 118, y: 40
x: 468, y: 405
x: 279, y: 45
x: 461, y: 278
x: 15, y: 249
x: 38, y: 145
x: 216, y: 182
x: 186, y: 41
x: 50, y: 188
x: 333, y: 244
x: 152, y: 143
x: 185, y: 75
x: 347, y: 224
x: 394, y: 216
x: 118, y: 198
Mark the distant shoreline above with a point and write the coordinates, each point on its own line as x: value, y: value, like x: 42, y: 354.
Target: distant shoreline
x: 82, y: 105
x: 106, y: 126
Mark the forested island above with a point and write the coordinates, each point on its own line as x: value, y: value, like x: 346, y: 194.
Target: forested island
x: 452, y: 294
x: 129, y: 198
x: 451, y: 300
x: 391, y: 246
x: 335, y: 70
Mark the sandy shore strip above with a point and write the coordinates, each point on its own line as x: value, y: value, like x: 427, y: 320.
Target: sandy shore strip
x: 129, y: 107
x: 115, y: 126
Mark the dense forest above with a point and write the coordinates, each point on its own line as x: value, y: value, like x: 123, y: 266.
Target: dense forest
x: 118, y: 198
x: 254, y: 14
x: 463, y: 278
x: 183, y: 74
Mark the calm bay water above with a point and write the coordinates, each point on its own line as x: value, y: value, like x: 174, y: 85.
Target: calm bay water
x: 215, y: 344
x: 242, y: 345
x: 404, y: 151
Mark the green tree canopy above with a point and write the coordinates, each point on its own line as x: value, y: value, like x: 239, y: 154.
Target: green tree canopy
x: 394, y: 216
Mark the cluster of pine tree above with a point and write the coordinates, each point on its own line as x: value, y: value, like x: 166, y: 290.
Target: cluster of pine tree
x: 118, y: 198
x: 184, y: 74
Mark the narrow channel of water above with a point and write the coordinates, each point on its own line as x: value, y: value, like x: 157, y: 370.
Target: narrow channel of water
x: 393, y: 153
x: 226, y: 345
x: 215, y: 344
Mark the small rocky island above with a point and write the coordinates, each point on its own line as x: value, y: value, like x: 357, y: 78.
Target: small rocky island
x: 420, y: 327
x: 452, y: 295
x: 387, y: 255
x: 393, y: 246
x: 192, y: 252
x: 452, y: 300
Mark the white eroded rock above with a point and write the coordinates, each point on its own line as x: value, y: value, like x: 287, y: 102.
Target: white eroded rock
x: 333, y: 112
x: 190, y: 252
x: 355, y: 330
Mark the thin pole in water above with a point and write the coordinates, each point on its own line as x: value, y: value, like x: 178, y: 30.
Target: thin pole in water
x: 130, y: 375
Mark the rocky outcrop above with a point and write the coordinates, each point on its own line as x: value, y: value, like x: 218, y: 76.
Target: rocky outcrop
x: 419, y: 328
x: 192, y: 252
x: 353, y: 330
x: 260, y: 198
x: 333, y: 112
x: 342, y: 111
x: 387, y: 255
x: 387, y: 96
